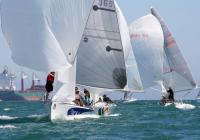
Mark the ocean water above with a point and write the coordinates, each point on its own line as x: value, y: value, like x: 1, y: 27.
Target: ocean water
x: 135, y: 120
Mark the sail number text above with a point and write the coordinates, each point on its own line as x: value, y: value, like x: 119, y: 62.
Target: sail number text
x: 106, y: 3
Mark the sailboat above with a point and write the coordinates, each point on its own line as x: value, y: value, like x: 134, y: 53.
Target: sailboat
x: 60, y: 35
x: 173, y: 69
x: 198, y: 96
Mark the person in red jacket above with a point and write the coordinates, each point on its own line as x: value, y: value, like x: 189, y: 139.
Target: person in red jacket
x: 49, y: 84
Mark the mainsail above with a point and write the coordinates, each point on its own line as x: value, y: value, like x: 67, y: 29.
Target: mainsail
x: 147, y: 42
x: 100, y: 58
x: 176, y: 71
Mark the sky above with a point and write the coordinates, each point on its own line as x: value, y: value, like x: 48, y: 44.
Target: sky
x: 181, y: 16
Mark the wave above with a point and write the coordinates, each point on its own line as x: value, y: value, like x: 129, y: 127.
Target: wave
x: 4, y: 117
x: 6, y: 109
x: 7, y: 126
x: 28, y: 119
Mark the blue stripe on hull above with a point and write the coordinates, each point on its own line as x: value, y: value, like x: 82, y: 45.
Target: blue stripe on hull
x: 77, y: 111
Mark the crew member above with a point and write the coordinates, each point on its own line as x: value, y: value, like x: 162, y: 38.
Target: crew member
x: 49, y: 84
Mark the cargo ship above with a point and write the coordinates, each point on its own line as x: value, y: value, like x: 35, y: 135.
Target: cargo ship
x: 8, y: 90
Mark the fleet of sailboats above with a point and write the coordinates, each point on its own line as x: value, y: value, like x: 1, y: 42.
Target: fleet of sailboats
x: 88, y: 43
x: 159, y: 58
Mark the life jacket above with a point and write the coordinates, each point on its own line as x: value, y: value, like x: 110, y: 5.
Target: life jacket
x: 50, y: 78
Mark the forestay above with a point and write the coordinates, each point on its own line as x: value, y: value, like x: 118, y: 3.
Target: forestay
x: 100, y: 59
x: 176, y: 72
x: 147, y: 42
x: 44, y: 34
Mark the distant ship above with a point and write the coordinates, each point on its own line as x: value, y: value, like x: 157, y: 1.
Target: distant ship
x: 8, y: 90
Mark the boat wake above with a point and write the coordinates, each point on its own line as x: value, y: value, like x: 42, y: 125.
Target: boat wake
x: 77, y: 117
x: 184, y: 106
x: 32, y: 118
x: 85, y: 116
x: 112, y: 115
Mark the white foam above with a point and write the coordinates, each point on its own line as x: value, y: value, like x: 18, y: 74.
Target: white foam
x: 112, y: 115
x: 6, y: 109
x: 7, y: 126
x: 184, y: 106
x: 37, y: 116
x: 130, y: 100
x: 77, y: 117
x: 4, y: 117
x: 168, y: 104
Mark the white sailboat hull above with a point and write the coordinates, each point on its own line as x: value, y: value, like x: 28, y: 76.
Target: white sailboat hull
x: 70, y: 111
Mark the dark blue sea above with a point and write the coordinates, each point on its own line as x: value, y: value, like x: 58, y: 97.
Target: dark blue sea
x: 141, y: 120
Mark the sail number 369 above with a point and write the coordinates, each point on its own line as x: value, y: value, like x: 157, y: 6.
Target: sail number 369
x: 106, y: 3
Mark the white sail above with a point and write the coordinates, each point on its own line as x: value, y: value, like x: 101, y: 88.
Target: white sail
x: 147, y: 42
x: 134, y: 82
x: 133, y: 77
x: 65, y: 84
x: 176, y: 71
x: 124, y: 31
x: 100, y: 59
x: 44, y: 34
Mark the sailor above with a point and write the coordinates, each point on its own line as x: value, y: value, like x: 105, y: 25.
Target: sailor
x: 87, y: 97
x: 107, y: 99
x: 171, y: 94
x: 49, y: 84
x: 103, y: 110
x: 78, y: 101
